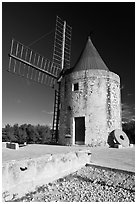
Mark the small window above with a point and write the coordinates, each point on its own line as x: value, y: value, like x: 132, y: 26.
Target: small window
x: 76, y: 87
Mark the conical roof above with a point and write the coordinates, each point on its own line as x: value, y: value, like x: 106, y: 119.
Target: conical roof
x: 90, y: 59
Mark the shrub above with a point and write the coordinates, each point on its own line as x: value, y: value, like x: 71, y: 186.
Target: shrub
x: 129, y: 129
x: 26, y: 133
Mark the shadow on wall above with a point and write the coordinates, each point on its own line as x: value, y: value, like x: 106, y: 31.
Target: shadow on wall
x: 111, y: 139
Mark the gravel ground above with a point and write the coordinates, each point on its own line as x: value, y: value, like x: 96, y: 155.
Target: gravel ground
x: 91, y: 184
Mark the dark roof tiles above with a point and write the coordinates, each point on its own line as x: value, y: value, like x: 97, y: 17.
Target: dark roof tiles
x: 90, y: 59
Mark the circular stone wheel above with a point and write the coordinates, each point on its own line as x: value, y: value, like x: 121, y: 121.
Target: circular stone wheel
x: 121, y: 138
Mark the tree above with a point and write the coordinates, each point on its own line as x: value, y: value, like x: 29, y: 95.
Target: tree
x: 7, y: 132
x: 10, y: 134
x: 16, y: 131
x: 39, y: 134
x: 4, y: 135
x: 44, y: 134
x: 32, y: 134
x: 23, y: 133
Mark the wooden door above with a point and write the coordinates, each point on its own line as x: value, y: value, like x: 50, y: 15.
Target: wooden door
x: 80, y: 130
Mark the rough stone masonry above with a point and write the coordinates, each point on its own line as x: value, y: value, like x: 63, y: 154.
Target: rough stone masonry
x: 90, y: 100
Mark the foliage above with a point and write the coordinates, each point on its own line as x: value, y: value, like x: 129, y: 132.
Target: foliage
x: 10, y: 134
x: 39, y: 134
x: 129, y: 129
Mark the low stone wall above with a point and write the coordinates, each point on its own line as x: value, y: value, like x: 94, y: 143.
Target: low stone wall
x: 10, y: 145
x: 20, y: 177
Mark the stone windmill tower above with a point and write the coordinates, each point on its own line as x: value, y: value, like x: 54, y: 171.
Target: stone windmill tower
x: 90, y: 102
x: 87, y: 96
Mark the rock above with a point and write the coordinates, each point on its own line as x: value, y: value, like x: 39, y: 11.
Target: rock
x: 89, y: 184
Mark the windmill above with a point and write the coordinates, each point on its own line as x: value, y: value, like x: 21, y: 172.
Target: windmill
x: 27, y: 63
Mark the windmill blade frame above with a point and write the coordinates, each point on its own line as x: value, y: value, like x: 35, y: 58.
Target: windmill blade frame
x: 27, y: 63
x: 62, y: 44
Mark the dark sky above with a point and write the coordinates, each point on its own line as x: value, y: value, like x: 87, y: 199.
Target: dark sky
x: 112, y: 28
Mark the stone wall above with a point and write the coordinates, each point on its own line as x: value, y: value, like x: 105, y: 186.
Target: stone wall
x: 115, y: 100
x: 98, y: 100
x: 24, y: 176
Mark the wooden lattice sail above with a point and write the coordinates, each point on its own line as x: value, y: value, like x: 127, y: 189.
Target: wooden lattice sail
x: 62, y: 44
x: 27, y: 63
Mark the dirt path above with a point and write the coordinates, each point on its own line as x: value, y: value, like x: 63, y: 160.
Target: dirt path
x: 123, y: 159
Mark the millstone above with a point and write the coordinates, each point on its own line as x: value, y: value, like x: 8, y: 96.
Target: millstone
x: 121, y: 138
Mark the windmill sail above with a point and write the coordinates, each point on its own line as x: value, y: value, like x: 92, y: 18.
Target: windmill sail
x: 61, y: 57
x: 62, y: 44
x: 31, y: 65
